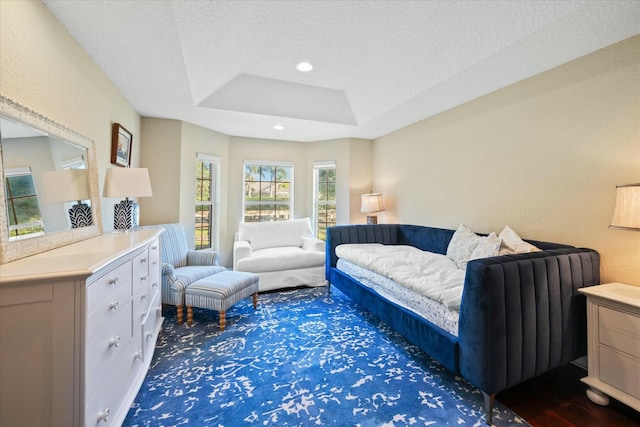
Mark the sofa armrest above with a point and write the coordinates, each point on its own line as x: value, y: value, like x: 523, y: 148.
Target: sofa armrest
x: 203, y: 257
x: 312, y: 244
x: 241, y: 249
x: 521, y: 315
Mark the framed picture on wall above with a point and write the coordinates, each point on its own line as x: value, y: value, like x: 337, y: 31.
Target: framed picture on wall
x: 121, y: 145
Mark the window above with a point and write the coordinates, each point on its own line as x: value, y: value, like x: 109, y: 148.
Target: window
x: 22, y: 204
x: 268, y: 191
x: 324, y: 209
x: 206, y: 222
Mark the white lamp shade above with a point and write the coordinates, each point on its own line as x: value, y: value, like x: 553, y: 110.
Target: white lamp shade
x: 64, y: 185
x: 371, y: 202
x: 626, y: 214
x: 127, y: 182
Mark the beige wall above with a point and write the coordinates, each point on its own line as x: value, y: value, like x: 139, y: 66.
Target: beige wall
x: 543, y: 156
x: 44, y: 69
x: 353, y: 159
x: 196, y: 139
x: 161, y: 155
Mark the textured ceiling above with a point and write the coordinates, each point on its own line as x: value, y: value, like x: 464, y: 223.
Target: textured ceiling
x: 378, y: 65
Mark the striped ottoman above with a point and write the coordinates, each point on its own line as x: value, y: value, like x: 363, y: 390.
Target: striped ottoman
x: 219, y: 292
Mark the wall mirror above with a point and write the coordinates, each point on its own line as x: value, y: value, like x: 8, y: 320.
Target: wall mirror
x: 50, y: 195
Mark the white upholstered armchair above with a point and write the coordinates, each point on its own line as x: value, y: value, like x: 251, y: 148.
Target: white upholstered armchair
x: 282, y: 253
x: 180, y: 266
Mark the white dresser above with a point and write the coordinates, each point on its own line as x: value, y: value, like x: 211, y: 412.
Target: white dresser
x: 613, y: 313
x: 78, y: 327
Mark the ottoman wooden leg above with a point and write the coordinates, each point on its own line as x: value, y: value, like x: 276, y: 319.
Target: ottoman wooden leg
x: 180, y: 314
x: 255, y: 300
x: 189, y: 315
x: 223, y: 320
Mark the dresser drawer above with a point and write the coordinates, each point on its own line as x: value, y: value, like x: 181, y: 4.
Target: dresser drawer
x: 106, y: 407
x: 140, y: 277
x: 101, y: 288
x: 107, y: 347
x: 150, y: 327
x: 154, y: 262
x: 619, y: 330
x: 107, y: 308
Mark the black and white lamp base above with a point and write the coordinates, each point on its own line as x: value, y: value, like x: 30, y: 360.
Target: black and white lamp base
x: 126, y: 215
x: 80, y: 215
x: 372, y: 219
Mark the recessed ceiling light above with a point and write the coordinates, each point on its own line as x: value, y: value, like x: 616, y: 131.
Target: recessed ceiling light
x: 278, y: 127
x: 304, y: 67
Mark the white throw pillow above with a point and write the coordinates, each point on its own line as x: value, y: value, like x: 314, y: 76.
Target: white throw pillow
x: 462, y: 244
x: 513, y: 244
x: 488, y: 247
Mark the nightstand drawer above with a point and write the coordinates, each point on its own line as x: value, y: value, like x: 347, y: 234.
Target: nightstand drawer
x: 619, y: 330
x: 620, y: 371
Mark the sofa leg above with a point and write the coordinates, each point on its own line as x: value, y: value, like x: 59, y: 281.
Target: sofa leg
x: 180, y: 315
x: 255, y: 300
x: 488, y: 406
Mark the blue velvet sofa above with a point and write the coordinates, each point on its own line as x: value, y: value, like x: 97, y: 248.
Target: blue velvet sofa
x: 520, y: 315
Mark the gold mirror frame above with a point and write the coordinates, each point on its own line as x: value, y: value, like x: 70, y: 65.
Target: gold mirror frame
x: 17, y: 249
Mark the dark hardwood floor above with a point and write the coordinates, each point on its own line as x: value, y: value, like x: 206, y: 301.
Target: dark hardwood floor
x: 558, y: 399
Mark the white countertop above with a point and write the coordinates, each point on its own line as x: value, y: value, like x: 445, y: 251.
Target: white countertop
x: 76, y: 260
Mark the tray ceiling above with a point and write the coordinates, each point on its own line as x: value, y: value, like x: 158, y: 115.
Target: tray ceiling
x: 378, y: 65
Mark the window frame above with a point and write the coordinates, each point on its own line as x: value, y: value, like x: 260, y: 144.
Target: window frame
x: 14, y: 172
x: 269, y: 163
x: 317, y: 166
x: 213, y: 203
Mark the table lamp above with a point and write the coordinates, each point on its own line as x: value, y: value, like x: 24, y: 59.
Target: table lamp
x: 126, y: 182
x: 371, y: 203
x: 626, y: 214
x: 68, y: 185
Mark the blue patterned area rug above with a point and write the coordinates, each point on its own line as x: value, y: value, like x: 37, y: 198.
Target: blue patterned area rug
x: 303, y: 358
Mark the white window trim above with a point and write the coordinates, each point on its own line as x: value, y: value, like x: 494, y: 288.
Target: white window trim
x: 217, y: 161
x: 326, y: 164
x: 271, y: 163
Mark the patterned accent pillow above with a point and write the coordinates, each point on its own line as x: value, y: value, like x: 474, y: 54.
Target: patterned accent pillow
x: 462, y: 244
x: 488, y: 247
x: 513, y: 244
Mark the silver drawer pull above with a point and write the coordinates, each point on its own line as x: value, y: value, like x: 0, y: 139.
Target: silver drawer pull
x: 154, y: 284
x: 114, y: 342
x: 113, y: 281
x: 103, y: 416
x: 138, y: 355
x: 143, y: 260
x: 113, y: 305
x: 149, y: 335
x: 143, y: 296
x: 143, y: 277
x: 154, y: 248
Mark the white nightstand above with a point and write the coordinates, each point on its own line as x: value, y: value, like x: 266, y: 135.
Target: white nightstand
x: 613, y: 327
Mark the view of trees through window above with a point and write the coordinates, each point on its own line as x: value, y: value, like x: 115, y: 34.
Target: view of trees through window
x: 267, y: 192
x: 325, y: 190
x: 22, y: 205
x: 206, y: 176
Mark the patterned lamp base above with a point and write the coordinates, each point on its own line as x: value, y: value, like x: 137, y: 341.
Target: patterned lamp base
x: 126, y: 215
x: 372, y: 219
x: 80, y: 215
